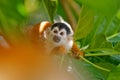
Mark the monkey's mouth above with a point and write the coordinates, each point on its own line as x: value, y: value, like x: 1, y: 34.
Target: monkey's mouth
x: 56, y: 39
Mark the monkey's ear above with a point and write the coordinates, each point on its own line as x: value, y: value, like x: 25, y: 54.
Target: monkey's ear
x: 43, y: 26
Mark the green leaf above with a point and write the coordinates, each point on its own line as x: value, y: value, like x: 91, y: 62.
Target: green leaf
x: 117, y: 47
x: 50, y: 6
x: 98, y: 41
x: 114, y: 38
x: 106, y: 7
x: 114, y: 74
x: 118, y: 14
x: 115, y: 59
x: 98, y: 22
x: 113, y: 26
x: 85, y: 23
x: 107, y: 44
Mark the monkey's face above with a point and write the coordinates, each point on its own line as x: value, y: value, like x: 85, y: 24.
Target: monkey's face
x: 60, y: 33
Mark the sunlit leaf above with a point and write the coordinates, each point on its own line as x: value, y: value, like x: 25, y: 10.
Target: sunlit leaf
x: 106, y: 7
x: 98, y: 41
x: 85, y: 23
x: 118, y: 14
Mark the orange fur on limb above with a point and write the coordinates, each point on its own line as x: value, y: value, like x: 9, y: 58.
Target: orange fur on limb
x: 76, y: 52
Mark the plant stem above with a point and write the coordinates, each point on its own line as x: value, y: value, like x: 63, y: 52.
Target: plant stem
x: 101, y: 54
x: 100, y: 49
x: 105, y: 53
x: 112, y: 36
x: 99, y: 67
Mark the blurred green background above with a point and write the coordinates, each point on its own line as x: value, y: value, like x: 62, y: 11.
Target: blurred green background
x: 96, y: 24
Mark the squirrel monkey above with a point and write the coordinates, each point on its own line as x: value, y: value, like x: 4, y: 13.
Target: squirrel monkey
x: 57, y: 38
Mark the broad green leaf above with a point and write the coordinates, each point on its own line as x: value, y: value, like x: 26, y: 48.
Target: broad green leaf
x: 106, y: 7
x: 107, y: 44
x: 115, y: 59
x: 98, y: 22
x: 118, y: 14
x: 113, y: 26
x: 106, y: 65
x: 98, y: 41
x: 85, y: 23
x: 114, y: 74
x: 50, y: 8
x: 117, y: 47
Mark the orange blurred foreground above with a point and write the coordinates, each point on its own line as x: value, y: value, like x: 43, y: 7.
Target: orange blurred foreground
x: 27, y: 63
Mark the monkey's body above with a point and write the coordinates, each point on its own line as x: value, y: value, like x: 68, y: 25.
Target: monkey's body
x: 55, y: 39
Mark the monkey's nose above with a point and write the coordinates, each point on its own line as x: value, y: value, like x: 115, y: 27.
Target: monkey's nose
x: 56, y: 38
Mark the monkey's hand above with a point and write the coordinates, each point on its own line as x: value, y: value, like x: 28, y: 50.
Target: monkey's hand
x: 76, y: 52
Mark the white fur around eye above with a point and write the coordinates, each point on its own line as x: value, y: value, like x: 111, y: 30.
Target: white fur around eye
x: 55, y: 29
x: 62, y: 32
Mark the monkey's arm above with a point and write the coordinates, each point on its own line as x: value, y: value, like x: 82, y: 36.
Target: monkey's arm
x: 76, y: 52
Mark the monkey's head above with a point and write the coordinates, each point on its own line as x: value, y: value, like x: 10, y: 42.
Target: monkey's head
x: 60, y: 33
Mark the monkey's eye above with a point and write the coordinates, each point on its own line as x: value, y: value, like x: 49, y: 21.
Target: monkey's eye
x: 55, y: 31
x: 62, y: 33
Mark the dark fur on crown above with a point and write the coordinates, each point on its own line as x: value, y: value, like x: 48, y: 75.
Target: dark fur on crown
x: 61, y: 26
